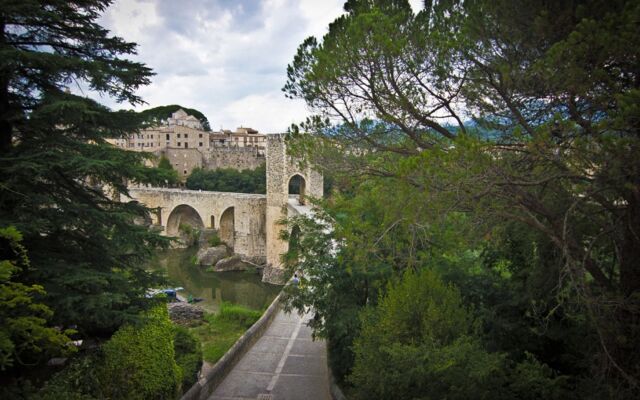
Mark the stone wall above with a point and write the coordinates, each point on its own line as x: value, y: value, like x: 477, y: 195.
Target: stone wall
x: 249, y: 210
x: 239, y: 158
x: 183, y: 160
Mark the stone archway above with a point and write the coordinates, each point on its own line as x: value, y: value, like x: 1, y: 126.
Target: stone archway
x: 297, y: 188
x: 227, y: 227
x: 183, y: 215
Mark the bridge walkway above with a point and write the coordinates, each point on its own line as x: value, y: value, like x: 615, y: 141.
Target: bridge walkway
x: 284, y: 364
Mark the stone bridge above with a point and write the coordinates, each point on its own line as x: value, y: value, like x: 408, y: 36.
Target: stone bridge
x: 248, y: 223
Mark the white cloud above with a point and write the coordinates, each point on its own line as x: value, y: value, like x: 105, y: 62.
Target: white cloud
x: 226, y: 58
x: 271, y: 112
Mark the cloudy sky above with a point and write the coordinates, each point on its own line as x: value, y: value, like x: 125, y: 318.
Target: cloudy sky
x: 226, y: 58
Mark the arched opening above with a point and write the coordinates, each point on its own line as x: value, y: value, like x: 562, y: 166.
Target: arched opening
x: 183, y: 216
x: 227, y: 227
x: 297, y: 187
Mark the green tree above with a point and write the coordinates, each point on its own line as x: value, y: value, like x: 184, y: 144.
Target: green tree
x: 60, y: 181
x: 229, y: 180
x: 541, y: 98
x: 419, y: 342
x: 154, y: 115
x: 139, y: 361
x: 171, y: 175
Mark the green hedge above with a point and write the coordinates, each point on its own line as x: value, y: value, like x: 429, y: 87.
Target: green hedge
x: 139, y: 361
x: 150, y: 360
x: 188, y: 355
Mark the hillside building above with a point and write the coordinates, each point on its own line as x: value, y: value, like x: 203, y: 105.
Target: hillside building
x: 182, y: 139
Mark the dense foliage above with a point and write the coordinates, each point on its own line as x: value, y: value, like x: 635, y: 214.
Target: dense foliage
x: 153, y: 116
x: 138, y: 362
x: 25, y: 337
x: 425, y: 346
x: 229, y: 180
x: 188, y: 354
x: 167, y: 170
x: 494, y: 142
x: 60, y: 181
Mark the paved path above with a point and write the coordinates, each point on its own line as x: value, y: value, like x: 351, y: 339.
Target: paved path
x: 284, y: 364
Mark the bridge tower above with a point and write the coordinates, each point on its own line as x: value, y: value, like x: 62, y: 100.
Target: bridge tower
x: 283, y: 172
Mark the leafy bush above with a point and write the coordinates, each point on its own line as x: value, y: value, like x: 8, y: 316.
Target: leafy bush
x: 188, y: 354
x: 189, y: 234
x: 214, y: 240
x: 419, y: 342
x: 139, y: 361
x: 78, y: 381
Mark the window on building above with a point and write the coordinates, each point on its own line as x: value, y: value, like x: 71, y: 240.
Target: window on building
x: 184, y: 172
x: 168, y: 137
x: 186, y: 145
x: 186, y: 136
x: 179, y: 144
x: 200, y: 144
x: 178, y: 135
x: 200, y: 135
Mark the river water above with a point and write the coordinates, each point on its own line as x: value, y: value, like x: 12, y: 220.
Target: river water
x: 237, y: 287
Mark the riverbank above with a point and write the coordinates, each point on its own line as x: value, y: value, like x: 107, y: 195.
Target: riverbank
x: 218, y: 332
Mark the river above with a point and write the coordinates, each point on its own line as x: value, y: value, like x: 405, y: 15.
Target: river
x: 237, y: 287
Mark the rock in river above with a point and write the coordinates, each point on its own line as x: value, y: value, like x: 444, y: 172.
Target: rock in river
x: 211, y: 255
x: 233, y: 263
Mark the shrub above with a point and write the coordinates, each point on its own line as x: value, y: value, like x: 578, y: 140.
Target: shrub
x: 420, y: 342
x: 188, y: 353
x: 139, y: 361
x: 78, y: 381
x: 214, y: 240
x: 189, y: 234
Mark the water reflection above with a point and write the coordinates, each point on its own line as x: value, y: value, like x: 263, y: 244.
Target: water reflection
x: 245, y: 288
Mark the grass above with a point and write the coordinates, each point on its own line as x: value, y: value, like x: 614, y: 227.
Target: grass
x: 220, y: 331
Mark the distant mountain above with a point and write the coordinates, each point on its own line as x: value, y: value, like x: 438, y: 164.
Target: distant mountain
x: 164, y: 112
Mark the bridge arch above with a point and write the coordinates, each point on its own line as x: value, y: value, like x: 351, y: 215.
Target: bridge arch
x: 227, y: 229
x: 297, y: 186
x: 183, y: 214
